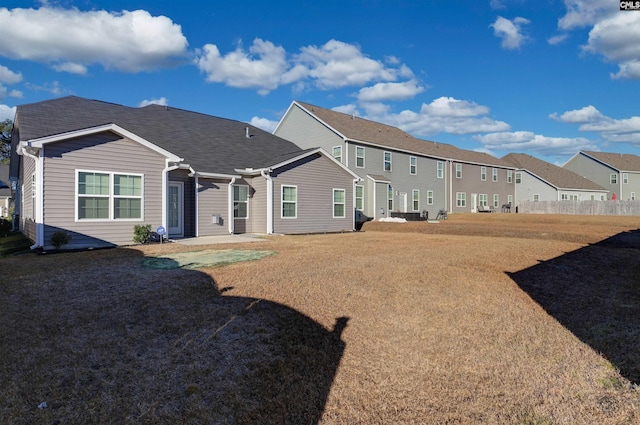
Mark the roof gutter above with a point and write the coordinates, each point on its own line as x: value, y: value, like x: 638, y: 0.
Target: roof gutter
x: 266, y: 173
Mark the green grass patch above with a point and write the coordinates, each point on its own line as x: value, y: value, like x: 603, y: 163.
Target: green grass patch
x: 202, y: 259
x: 13, y: 243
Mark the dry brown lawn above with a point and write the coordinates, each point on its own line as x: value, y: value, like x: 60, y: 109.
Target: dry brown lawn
x: 496, y: 318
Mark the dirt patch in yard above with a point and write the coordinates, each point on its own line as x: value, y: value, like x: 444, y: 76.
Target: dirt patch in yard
x: 201, y: 259
x: 496, y: 318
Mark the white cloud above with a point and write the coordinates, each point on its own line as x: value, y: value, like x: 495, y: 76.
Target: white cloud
x: 390, y: 91
x: 510, y: 31
x: 337, y: 64
x: 71, y: 68
x: 626, y: 130
x: 526, y: 141
x: 266, y: 66
x: 442, y: 115
x: 160, y: 101
x: 557, y: 39
x: 618, y: 39
x: 7, y: 112
x: 127, y: 41
x: 262, y: 67
x: 584, y: 13
x: 9, y: 77
x: 264, y: 123
x: 614, y: 35
x: 349, y: 109
x: 582, y: 115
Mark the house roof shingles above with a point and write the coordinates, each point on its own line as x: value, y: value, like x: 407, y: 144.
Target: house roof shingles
x: 209, y: 144
x: 619, y: 161
x: 557, y: 176
x: 362, y: 130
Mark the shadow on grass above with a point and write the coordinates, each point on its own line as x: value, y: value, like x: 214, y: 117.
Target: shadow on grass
x: 112, y: 342
x: 595, y: 293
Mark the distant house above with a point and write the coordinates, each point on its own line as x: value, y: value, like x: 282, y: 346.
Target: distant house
x: 5, y: 191
x: 96, y: 169
x: 400, y: 172
x: 618, y: 173
x: 538, y: 180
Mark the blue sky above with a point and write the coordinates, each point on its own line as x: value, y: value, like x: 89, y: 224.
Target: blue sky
x: 547, y: 77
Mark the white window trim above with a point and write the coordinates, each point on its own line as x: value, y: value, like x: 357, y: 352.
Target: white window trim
x: 459, y: 168
x: 429, y: 197
x: 363, y: 157
x: 509, y: 176
x: 461, y: 199
x: 494, y: 174
x: 483, y: 200
x: 384, y: 161
x: 111, y: 197
x: 519, y: 178
x: 625, y: 178
x: 483, y: 174
x: 613, y: 177
x: 282, y: 202
x: 440, y: 170
x: 390, y: 200
x: 247, y: 202
x: 496, y: 200
x: 343, y: 203
x: 536, y: 197
x: 415, y: 192
x: 415, y: 167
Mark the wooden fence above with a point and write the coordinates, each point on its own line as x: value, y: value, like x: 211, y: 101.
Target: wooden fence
x: 580, y: 207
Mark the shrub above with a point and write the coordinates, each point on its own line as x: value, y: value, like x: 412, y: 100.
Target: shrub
x: 5, y: 227
x: 60, y: 238
x: 141, y: 233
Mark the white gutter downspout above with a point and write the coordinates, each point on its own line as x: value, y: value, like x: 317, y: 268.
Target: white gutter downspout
x: 230, y: 209
x: 450, y: 186
x: 38, y: 198
x: 269, y: 179
x: 197, y: 206
x: 165, y: 192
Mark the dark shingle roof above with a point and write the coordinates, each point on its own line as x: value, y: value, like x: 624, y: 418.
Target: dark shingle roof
x: 619, y: 161
x: 363, y: 130
x: 209, y: 144
x: 557, y: 176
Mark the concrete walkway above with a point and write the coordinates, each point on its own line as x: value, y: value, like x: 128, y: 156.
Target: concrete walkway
x: 211, y: 240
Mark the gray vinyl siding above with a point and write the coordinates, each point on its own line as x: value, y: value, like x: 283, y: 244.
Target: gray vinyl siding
x: 213, y: 199
x: 595, y: 171
x: 381, y: 190
x: 189, y: 215
x: 471, y: 183
x: 258, y: 205
x: 632, y: 186
x: 306, y: 132
x: 532, y: 185
x: 105, y: 152
x: 401, y: 179
x: 315, y: 178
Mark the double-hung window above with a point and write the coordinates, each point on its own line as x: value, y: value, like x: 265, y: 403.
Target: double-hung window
x: 241, y: 201
x: 338, y: 203
x: 483, y: 173
x: 289, y: 199
x: 458, y: 171
x: 613, y: 179
x: 461, y: 199
x: 429, y: 197
x: 496, y: 200
x: 413, y: 165
x: 359, y: 197
x: 416, y: 200
x: 494, y: 174
x: 389, y: 198
x: 337, y: 153
x: 387, y: 161
x: 625, y: 178
x: 509, y: 176
x: 359, y: 156
x: 109, y: 196
x: 440, y: 172
x: 518, y: 178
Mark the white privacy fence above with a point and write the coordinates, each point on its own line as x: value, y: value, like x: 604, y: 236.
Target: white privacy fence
x: 580, y: 207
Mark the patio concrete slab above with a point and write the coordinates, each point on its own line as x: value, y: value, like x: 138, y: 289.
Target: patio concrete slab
x: 211, y: 240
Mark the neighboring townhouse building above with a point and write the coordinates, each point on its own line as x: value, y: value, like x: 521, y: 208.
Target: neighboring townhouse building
x: 400, y: 172
x: 619, y: 173
x: 5, y: 192
x: 538, y: 180
x: 96, y: 169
